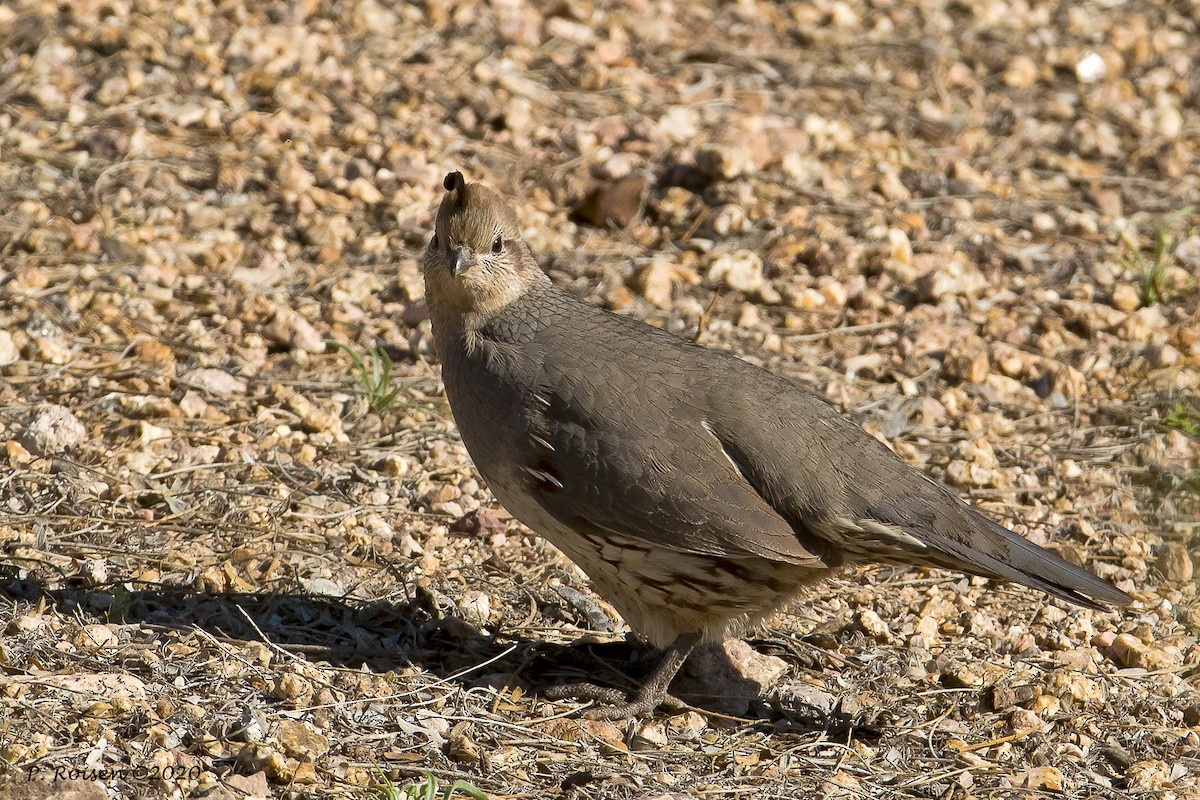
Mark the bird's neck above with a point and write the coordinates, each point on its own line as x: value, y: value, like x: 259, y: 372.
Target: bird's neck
x: 455, y: 310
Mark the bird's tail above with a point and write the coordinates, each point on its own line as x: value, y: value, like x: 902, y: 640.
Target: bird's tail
x: 970, y: 542
x: 1026, y: 563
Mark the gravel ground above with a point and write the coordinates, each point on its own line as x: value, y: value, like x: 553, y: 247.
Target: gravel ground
x: 228, y: 570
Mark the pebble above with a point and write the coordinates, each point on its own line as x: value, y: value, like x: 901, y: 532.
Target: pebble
x: 655, y: 281
x: 951, y: 278
x: 873, y: 625
x: 1126, y: 297
x: 475, y: 607
x: 96, y: 637
x: 293, y: 687
x: 723, y: 162
x: 1162, y: 355
x: 614, y: 203
x: 803, y: 298
x: 1090, y: 67
x: 741, y: 270
x: 1021, y: 73
x: 688, y: 726
x: 52, y: 429
x: 1148, y: 775
x: 9, y: 352
x: 1129, y: 651
x: 301, y: 741
x: 1175, y: 563
x: 650, y: 736
x: 1049, y: 779
x: 289, y: 329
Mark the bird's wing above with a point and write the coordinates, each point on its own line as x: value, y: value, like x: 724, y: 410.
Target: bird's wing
x: 636, y: 457
x: 832, y: 480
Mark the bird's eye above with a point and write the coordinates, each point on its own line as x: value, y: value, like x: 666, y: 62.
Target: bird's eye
x: 498, y: 245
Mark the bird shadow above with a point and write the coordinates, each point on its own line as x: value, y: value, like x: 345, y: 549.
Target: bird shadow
x: 387, y: 635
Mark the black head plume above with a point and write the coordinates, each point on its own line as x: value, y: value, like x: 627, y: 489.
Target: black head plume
x: 455, y: 183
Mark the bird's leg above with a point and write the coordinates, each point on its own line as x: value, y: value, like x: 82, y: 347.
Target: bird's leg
x: 652, y: 694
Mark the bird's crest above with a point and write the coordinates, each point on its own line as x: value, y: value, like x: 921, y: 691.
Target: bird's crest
x: 455, y: 183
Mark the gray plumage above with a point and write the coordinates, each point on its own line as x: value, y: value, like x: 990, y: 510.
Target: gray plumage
x: 699, y: 492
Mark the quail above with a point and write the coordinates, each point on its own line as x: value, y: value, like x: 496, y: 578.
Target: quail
x: 699, y: 493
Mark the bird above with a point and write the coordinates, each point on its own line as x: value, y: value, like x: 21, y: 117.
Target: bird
x: 698, y: 492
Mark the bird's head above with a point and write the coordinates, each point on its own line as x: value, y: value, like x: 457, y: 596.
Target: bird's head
x: 476, y: 260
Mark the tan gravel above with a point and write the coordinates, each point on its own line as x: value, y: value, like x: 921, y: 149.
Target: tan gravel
x: 971, y: 225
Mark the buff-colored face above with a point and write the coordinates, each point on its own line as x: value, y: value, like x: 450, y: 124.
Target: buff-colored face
x: 476, y: 257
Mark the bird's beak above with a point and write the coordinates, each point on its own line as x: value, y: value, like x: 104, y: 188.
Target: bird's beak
x: 461, y: 260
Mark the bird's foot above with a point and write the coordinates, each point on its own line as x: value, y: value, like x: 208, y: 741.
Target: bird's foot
x: 652, y: 694
x: 613, y: 703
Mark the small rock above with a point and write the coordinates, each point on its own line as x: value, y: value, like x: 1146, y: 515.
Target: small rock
x: 53, y: 429
x: 1187, y: 253
x: 655, y: 281
x: 109, y: 685
x: 1005, y: 695
x: 475, y: 607
x: 813, y: 697
x: 289, y: 329
x: 17, y: 455
x: 966, y: 363
x: 961, y: 676
x: 301, y: 740
x: 899, y: 246
x: 327, y: 587
x: 748, y: 316
x: 293, y: 687
x: 688, y: 726
x: 250, y: 727
x: 362, y: 189
x: 741, y: 270
x: 155, y: 353
x: 650, y: 736
x: 314, y: 419
x: 1090, y: 67
x: 1043, y: 222
x: 873, y: 625
x: 1175, y: 563
x: 1162, y: 356
x: 9, y: 352
x: 728, y: 676
x: 804, y: 298
x: 834, y: 293
x: 96, y: 637
x: 215, y: 381
x: 193, y: 405
x: 1125, y: 297
x: 1129, y: 651
x: 1021, y: 73
x: 952, y: 278
x: 243, y: 786
x: 1046, y: 706
x: 723, y: 162
x: 1048, y: 779
x: 1148, y: 775
x: 148, y: 433
x: 679, y: 123
x: 617, y: 203
x: 841, y: 784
